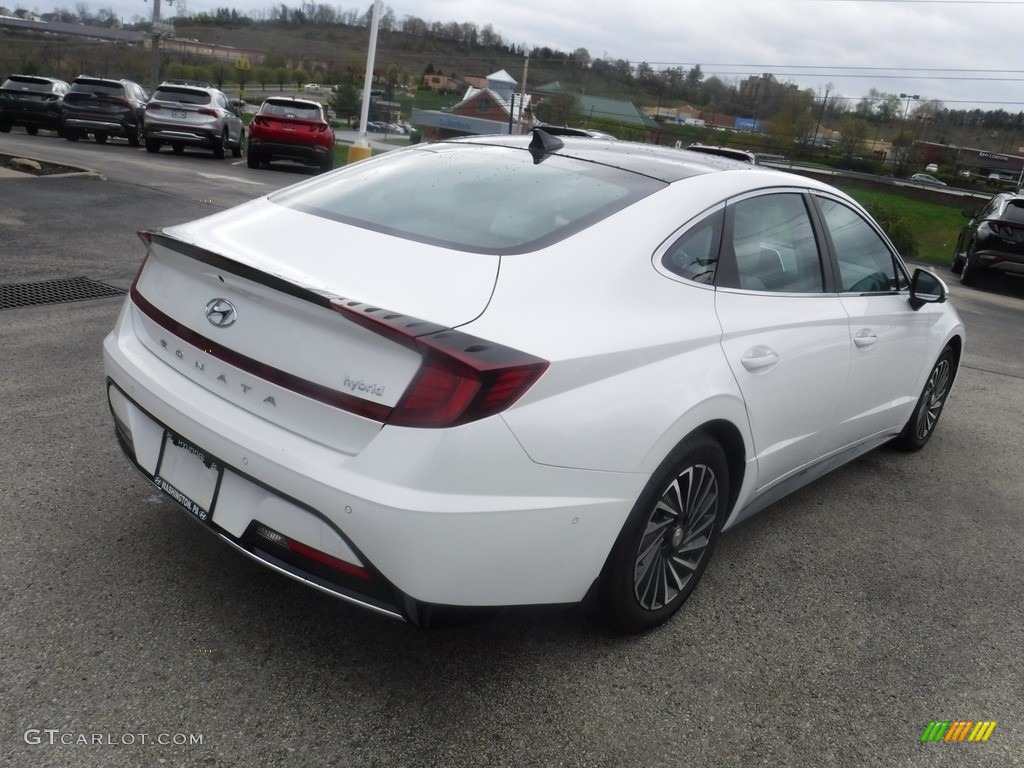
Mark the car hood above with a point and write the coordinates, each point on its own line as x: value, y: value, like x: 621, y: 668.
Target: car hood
x: 337, y: 259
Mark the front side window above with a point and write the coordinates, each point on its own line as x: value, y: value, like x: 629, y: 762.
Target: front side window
x: 866, y: 264
x: 773, y: 245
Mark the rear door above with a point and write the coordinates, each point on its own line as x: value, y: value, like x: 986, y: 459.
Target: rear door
x: 786, y: 338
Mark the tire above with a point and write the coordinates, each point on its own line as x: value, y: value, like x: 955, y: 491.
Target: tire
x: 5, y: 127
x: 969, y: 271
x: 327, y: 165
x: 135, y: 137
x: 921, y: 425
x: 31, y: 130
x: 252, y: 159
x: 72, y: 134
x: 220, y: 144
x: 236, y: 151
x: 668, y: 538
x: 178, y: 148
x: 152, y: 145
x: 101, y: 138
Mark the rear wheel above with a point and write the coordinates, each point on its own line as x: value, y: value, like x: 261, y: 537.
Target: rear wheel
x: 5, y: 127
x: 327, y: 164
x: 177, y: 148
x: 101, y: 137
x: 252, y: 159
x: 135, y: 137
x: 31, y: 130
x: 668, y: 539
x: 220, y: 144
x: 969, y: 271
x: 72, y: 134
x: 929, y: 407
x: 152, y: 145
x: 236, y: 151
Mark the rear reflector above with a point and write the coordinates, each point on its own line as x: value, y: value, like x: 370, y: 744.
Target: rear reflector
x: 279, y: 539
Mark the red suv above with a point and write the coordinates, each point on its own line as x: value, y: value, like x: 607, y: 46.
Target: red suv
x: 291, y: 129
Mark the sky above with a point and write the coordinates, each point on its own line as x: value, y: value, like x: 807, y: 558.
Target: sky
x: 959, y: 52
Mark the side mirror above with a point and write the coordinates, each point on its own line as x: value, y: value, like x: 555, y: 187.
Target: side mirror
x: 968, y: 214
x: 926, y: 288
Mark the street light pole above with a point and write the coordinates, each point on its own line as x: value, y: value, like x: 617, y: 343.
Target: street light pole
x: 903, y: 127
x: 821, y: 115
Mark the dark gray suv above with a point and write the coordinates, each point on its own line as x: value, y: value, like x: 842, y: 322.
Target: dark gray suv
x: 31, y: 101
x: 190, y: 115
x: 104, y: 108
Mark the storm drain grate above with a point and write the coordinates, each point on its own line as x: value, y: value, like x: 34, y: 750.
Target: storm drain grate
x: 54, y: 292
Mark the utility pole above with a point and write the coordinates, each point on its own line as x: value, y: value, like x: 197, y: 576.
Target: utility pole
x: 522, y: 93
x: 159, y: 29
x: 821, y: 115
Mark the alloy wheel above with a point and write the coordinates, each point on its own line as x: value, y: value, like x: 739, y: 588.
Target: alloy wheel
x: 676, y: 537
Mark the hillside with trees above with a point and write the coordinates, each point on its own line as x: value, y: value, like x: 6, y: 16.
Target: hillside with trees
x: 314, y: 42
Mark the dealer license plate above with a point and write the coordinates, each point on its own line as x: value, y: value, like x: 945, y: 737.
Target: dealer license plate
x: 189, y: 476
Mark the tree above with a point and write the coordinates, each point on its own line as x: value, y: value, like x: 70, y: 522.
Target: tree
x: 853, y: 132
x: 562, y: 108
x: 345, y: 101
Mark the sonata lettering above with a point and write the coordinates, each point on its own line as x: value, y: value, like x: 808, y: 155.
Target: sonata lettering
x: 200, y: 366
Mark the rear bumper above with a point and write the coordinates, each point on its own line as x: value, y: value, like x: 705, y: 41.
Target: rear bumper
x: 40, y: 118
x: 110, y: 126
x: 284, y: 150
x: 452, y: 518
x: 190, y: 136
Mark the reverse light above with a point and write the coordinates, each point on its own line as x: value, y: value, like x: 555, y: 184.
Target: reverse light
x: 462, y: 378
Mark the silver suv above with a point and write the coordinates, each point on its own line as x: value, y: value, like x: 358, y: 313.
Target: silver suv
x: 191, y: 115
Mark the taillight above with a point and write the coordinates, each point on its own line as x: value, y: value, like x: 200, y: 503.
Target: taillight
x: 208, y: 111
x: 462, y: 378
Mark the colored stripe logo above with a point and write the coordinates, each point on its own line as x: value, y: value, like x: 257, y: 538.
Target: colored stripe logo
x: 959, y: 730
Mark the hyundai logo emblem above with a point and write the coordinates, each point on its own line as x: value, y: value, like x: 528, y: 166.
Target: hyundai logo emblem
x: 221, y: 312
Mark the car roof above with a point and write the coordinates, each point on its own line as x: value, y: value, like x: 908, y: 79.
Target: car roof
x: 34, y: 79
x: 663, y: 163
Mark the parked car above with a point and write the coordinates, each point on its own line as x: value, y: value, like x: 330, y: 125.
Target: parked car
x: 733, y: 154
x: 993, y: 241
x: 33, y: 102
x: 931, y: 168
x: 924, y: 178
x: 514, y: 370
x: 190, y: 115
x: 291, y: 129
x: 104, y: 108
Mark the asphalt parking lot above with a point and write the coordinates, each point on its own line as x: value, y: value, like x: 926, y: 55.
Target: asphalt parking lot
x: 830, y: 630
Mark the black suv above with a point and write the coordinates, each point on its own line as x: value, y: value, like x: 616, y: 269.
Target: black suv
x: 104, y: 108
x: 993, y: 241
x: 34, y: 102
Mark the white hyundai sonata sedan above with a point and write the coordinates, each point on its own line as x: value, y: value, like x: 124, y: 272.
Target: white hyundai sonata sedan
x: 519, y: 370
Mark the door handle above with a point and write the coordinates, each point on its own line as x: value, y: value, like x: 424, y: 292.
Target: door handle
x: 865, y: 338
x: 759, y: 358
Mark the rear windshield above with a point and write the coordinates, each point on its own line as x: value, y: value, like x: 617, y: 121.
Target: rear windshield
x: 182, y: 96
x: 291, y: 109
x: 470, y: 197
x: 27, y: 84
x: 98, y: 87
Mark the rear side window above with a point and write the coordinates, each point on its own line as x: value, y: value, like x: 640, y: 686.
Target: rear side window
x: 479, y: 198
x: 695, y: 254
x: 773, y: 245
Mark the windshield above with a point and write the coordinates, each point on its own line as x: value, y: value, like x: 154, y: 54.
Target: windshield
x: 182, y: 95
x: 472, y: 197
x: 291, y: 109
